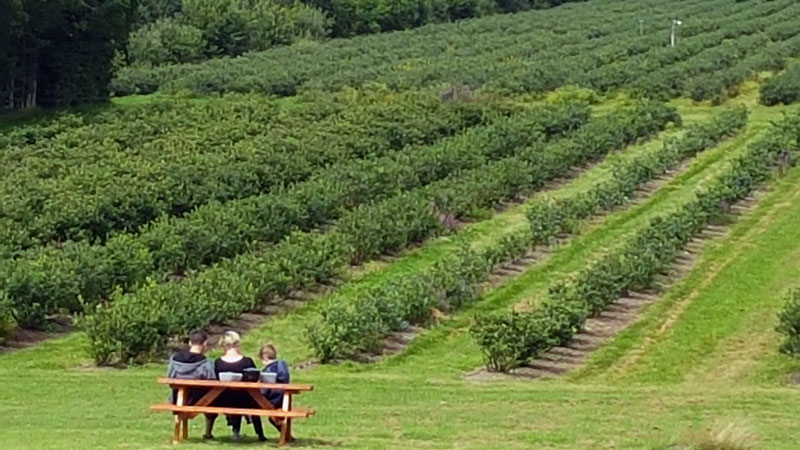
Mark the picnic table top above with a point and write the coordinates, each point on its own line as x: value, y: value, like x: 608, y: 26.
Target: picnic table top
x: 235, y: 384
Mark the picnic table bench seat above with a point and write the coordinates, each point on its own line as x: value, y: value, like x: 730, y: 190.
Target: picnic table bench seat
x: 293, y: 414
x: 185, y: 412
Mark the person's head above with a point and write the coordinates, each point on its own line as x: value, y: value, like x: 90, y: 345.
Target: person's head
x: 230, y: 340
x: 268, y: 353
x: 198, y: 340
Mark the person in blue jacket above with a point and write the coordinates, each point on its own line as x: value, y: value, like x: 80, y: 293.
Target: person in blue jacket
x: 269, y: 357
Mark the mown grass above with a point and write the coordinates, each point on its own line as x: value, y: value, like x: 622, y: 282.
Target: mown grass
x: 52, y: 398
x: 88, y: 408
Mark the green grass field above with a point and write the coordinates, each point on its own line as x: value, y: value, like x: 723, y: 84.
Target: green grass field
x: 702, y: 355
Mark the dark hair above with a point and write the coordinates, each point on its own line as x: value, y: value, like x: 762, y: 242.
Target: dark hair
x: 197, y: 337
x: 268, y: 352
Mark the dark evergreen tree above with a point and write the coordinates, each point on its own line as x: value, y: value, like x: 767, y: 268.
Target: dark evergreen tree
x: 59, y: 52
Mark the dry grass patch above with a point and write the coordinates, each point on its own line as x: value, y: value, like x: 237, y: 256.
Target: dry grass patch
x: 722, y: 435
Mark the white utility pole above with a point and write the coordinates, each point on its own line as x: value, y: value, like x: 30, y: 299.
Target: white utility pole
x: 641, y: 27
x: 675, y: 23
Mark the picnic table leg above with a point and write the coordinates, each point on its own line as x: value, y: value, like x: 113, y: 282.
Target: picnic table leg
x: 179, y: 430
x: 176, y: 432
x: 286, y: 426
x: 184, y: 426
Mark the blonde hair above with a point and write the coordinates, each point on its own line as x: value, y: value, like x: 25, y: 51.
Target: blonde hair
x: 229, y: 340
x: 267, y: 352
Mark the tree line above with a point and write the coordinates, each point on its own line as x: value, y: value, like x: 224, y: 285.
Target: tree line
x: 59, y: 52
x: 64, y: 52
x: 182, y: 31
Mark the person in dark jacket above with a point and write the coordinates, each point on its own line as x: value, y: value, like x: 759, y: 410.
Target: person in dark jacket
x: 269, y: 357
x: 234, y: 361
x: 192, y: 364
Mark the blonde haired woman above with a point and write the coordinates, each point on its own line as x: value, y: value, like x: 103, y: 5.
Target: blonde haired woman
x: 234, y: 361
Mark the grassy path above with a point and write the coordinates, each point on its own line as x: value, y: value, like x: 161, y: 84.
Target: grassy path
x: 415, y: 408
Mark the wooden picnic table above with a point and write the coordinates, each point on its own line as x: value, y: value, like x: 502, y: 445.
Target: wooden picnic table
x: 184, y: 412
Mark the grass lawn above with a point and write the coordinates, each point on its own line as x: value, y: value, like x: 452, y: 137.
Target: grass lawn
x: 703, y: 353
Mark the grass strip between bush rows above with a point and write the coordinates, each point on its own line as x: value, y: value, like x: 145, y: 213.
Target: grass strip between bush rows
x: 511, y: 339
x: 138, y: 324
x: 549, y: 218
x: 349, y: 327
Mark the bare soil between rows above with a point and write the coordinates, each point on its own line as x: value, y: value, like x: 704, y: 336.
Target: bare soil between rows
x: 21, y: 338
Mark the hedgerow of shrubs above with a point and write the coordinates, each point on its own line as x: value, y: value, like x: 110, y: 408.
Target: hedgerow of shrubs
x: 347, y: 327
x: 658, y: 71
x: 549, y: 218
x: 6, y: 318
x: 789, y: 324
x: 320, y: 65
x: 720, y: 85
x: 134, y: 325
x: 525, y: 53
x: 121, y: 180
x: 45, y: 280
x: 674, y: 80
x: 512, y: 339
x: 193, y: 30
x: 781, y: 88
